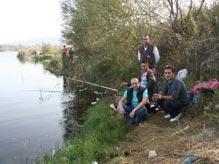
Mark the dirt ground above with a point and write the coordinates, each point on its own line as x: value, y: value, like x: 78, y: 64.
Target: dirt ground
x: 171, y: 141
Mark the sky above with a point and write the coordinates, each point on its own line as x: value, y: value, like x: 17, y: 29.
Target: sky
x: 22, y: 20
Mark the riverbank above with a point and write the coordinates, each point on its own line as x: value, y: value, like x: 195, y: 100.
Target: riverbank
x: 96, y: 140
x: 100, y: 132
x: 105, y: 139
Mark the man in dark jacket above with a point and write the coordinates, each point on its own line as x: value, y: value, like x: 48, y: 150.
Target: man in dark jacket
x: 148, y: 53
x: 132, y: 103
x: 174, y: 95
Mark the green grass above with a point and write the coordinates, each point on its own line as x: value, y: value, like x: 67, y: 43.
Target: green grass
x: 96, y: 140
x: 51, y: 62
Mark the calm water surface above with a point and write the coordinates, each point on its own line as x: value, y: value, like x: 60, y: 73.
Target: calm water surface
x: 34, y: 110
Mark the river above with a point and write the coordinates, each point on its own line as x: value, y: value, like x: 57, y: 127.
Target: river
x: 36, y: 112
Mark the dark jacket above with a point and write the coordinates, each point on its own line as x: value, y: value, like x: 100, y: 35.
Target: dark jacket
x: 148, y: 55
x: 177, y: 90
x: 152, y: 88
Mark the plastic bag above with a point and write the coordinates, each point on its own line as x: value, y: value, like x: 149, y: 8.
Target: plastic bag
x: 182, y: 74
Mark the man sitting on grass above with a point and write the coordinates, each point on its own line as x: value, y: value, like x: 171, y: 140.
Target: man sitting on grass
x: 132, y: 103
x: 174, y: 95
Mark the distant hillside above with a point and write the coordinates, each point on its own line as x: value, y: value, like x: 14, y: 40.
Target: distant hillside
x: 55, y: 40
x: 15, y: 46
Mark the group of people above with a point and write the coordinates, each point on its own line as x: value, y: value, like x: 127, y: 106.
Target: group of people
x: 143, y: 97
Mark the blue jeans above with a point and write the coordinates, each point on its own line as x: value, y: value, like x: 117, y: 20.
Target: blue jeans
x: 139, y: 115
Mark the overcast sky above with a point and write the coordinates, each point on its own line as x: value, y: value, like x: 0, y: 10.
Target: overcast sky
x: 29, y: 19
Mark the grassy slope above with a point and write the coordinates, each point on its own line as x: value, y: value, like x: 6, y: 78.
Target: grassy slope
x: 97, y: 139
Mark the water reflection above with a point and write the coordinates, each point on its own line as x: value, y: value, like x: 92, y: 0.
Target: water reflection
x: 37, y: 110
x: 23, y: 57
x: 77, y: 98
x: 29, y: 118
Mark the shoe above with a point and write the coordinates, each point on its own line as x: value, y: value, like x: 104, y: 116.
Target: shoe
x: 167, y: 116
x: 175, y: 118
x: 113, y: 107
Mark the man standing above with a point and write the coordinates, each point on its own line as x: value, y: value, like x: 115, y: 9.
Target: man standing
x: 132, y: 104
x: 174, y: 95
x: 148, y: 53
x: 64, y: 50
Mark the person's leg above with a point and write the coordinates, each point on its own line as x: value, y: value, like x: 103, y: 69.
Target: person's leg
x: 162, y: 106
x: 139, y: 115
x: 127, y: 111
x: 148, y: 107
x: 173, y: 107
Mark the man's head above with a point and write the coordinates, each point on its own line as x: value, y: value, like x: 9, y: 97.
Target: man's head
x: 135, y: 83
x: 144, y: 66
x: 146, y: 40
x: 169, y: 72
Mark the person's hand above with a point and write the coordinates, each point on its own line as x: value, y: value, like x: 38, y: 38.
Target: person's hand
x: 132, y: 114
x: 156, y: 96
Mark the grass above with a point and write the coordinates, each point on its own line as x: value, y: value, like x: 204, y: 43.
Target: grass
x: 97, y: 138
x: 51, y: 62
x: 174, y: 141
x: 101, y: 132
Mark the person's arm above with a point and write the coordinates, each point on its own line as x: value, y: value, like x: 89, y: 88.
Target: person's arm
x: 141, y: 104
x: 156, y: 54
x: 164, y: 97
x: 139, y: 55
x: 174, y: 93
x: 176, y: 90
x: 157, y: 96
x: 122, y: 101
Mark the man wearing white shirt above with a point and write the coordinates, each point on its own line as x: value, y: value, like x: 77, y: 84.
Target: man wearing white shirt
x: 148, y: 53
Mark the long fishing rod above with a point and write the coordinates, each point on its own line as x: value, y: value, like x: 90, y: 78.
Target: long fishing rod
x: 49, y: 91
x: 81, y: 81
x: 97, y: 85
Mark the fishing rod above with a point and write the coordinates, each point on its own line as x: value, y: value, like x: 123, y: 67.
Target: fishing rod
x: 86, y: 82
x: 81, y: 81
x: 97, y: 85
x: 49, y: 91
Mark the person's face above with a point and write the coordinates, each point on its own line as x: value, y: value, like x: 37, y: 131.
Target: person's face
x: 135, y: 84
x: 144, y: 66
x: 146, y: 40
x: 168, y: 74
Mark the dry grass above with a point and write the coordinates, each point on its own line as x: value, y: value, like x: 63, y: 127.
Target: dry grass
x: 172, y: 141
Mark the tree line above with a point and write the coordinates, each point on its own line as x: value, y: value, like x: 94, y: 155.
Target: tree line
x: 106, y: 35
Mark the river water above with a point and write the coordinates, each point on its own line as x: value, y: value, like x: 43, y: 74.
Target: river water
x: 36, y: 112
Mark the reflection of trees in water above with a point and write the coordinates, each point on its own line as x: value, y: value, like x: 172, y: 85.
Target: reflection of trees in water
x: 76, y: 99
x: 23, y: 58
x: 44, y: 97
